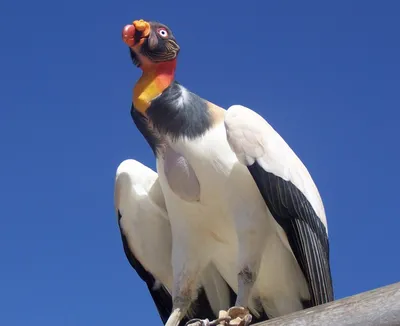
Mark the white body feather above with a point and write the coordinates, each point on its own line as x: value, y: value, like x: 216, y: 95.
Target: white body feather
x: 231, y: 209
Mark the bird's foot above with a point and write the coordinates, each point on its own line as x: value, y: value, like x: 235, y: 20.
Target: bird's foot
x: 238, y: 316
x: 235, y: 316
x: 205, y: 322
x: 198, y: 322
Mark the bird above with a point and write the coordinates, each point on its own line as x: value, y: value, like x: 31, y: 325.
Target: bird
x: 237, y: 196
x: 146, y: 238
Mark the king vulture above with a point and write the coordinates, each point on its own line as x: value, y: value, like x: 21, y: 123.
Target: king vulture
x: 237, y: 197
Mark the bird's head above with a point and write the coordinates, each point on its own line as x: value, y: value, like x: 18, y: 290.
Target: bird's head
x: 150, y: 43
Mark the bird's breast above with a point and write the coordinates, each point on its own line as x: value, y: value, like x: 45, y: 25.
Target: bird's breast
x: 198, y: 168
x: 180, y: 175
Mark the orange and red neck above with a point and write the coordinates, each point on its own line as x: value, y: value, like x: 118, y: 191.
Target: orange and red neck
x: 154, y: 80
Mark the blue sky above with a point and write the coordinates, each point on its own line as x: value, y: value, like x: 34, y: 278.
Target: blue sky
x: 324, y: 74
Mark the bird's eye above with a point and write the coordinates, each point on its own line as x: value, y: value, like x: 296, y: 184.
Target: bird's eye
x: 162, y: 32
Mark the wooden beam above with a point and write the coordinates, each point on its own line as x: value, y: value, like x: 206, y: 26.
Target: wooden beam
x: 379, y: 307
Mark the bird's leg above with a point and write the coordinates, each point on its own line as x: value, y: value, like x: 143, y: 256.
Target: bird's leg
x: 179, y: 309
x: 251, y: 245
x: 186, y: 270
x: 183, y: 294
x: 246, y: 279
x: 239, y: 315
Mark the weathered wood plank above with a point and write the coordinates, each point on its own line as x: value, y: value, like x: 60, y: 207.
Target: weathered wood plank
x: 376, y: 307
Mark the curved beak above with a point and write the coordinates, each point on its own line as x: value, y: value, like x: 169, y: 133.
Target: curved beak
x: 136, y: 32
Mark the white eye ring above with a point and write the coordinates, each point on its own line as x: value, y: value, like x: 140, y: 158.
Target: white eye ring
x: 162, y: 32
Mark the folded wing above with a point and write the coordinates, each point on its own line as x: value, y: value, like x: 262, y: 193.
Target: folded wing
x: 289, y: 193
x: 147, y: 242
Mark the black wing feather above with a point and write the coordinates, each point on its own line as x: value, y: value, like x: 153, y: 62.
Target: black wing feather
x: 160, y: 295
x: 162, y: 298
x: 305, y: 232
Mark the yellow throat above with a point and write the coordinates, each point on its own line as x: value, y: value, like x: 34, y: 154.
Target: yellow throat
x: 152, y: 83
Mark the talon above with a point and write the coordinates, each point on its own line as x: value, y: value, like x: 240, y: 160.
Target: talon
x: 221, y: 321
x: 198, y: 322
x: 247, y: 319
x: 239, y: 316
x: 235, y: 316
x: 223, y: 314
